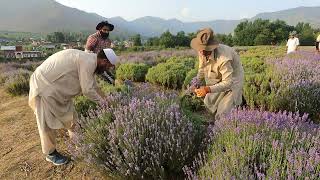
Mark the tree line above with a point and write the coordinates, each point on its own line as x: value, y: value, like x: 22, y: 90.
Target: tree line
x: 247, y: 33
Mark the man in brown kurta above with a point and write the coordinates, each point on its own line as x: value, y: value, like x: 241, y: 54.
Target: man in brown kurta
x: 99, y: 40
x: 222, y: 70
x: 54, y: 83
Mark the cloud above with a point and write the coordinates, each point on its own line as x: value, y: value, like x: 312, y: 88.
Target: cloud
x: 185, y: 12
x: 244, y: 16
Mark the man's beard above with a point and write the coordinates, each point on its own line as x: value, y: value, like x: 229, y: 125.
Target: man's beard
x: 104, y: 35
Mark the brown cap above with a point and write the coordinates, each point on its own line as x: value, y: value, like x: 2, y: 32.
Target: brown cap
x: 205, y: 40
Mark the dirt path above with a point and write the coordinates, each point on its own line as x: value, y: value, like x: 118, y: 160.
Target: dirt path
x: 20, y: 150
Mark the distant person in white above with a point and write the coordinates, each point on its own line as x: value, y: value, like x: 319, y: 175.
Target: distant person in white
x: 317, y: 44
x: 293, y: 42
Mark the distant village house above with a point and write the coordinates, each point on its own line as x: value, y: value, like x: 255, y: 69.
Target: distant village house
x: 18, y: 53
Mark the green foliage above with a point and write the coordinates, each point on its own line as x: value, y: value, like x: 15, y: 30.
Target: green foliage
x: 66, y: 37
x: 306, y: 34
x: 262, y: 52
x: 83, y: 105
x: 265, y: 32
x: 167, y: 74
x: 153, y: 41
x: 132, y: 71
x: 260, y: 85
x: 189, y: 62
x: 261, y: 32
x: 110, y: 89
x: 225, y: 39
x: 167, y: 40
x: 253, y: 65
x: 172, y: 73
x: 136, y: 39
x: 181, y: 39
x: 259, y: 92
x: 56, y: 37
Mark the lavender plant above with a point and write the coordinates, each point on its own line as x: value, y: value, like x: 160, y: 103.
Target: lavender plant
x: 251, y: 144
x: 300, y: 83
x: 131, y: 137
x: 17, y: 82
x: 132, y: 71
x: 154, y: 57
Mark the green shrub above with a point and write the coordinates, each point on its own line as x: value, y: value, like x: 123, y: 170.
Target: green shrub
x: 132, y: 71
x: 186, y: 61
x: 253, y: 65
x: 83, y: 105
x: 169, y: 74
x: 263, y: 52
x: 260, y: 91
x: 17, y: 83
x: 109, y: 88
x: 261, y: 84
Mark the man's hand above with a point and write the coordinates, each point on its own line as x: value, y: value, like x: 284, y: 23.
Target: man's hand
x: 202, y: 91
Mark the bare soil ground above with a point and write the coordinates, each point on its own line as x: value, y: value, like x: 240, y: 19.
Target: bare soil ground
x: 20, y: 149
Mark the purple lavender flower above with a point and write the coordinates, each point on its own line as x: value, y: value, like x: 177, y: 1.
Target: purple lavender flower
x: 133, y: 137
x: 269, y: 146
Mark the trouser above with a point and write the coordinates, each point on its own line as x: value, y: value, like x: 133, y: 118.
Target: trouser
x: 47, y: 135
x: 317, y: 46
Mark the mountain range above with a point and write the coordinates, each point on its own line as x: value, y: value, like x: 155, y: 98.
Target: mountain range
x: 49, y: 16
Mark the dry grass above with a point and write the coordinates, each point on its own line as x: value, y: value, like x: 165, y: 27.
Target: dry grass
x: 20, y: 150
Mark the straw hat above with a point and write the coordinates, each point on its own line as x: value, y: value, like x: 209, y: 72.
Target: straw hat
x: 205, y: 40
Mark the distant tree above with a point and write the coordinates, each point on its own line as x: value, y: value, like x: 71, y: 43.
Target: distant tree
x: 305, y: 33
x: 136, y: 39
x: 225, y: 39
x: 244, y: 34
x: 167, y: 40
x: 261, y: 32
x: 279, y: 31
x: 56, y: 37
x: 182, y: 39
x: 191, y: 36
x: 153, y: 41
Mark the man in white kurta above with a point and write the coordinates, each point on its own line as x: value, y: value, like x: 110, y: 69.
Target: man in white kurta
x: 317, y: 43
x: 54, y: 83
x: 292, y: 43
x: 222, y: 70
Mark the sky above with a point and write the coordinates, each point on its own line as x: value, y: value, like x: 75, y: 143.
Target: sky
x: 185, y: 10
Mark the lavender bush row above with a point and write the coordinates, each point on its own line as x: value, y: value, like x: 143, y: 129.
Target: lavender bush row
x: 10, y: 66
x: 134, y: 137
x: 299, y: 67
x: 299, y: 83
x: 154, y: 57
x: 250, y: 144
